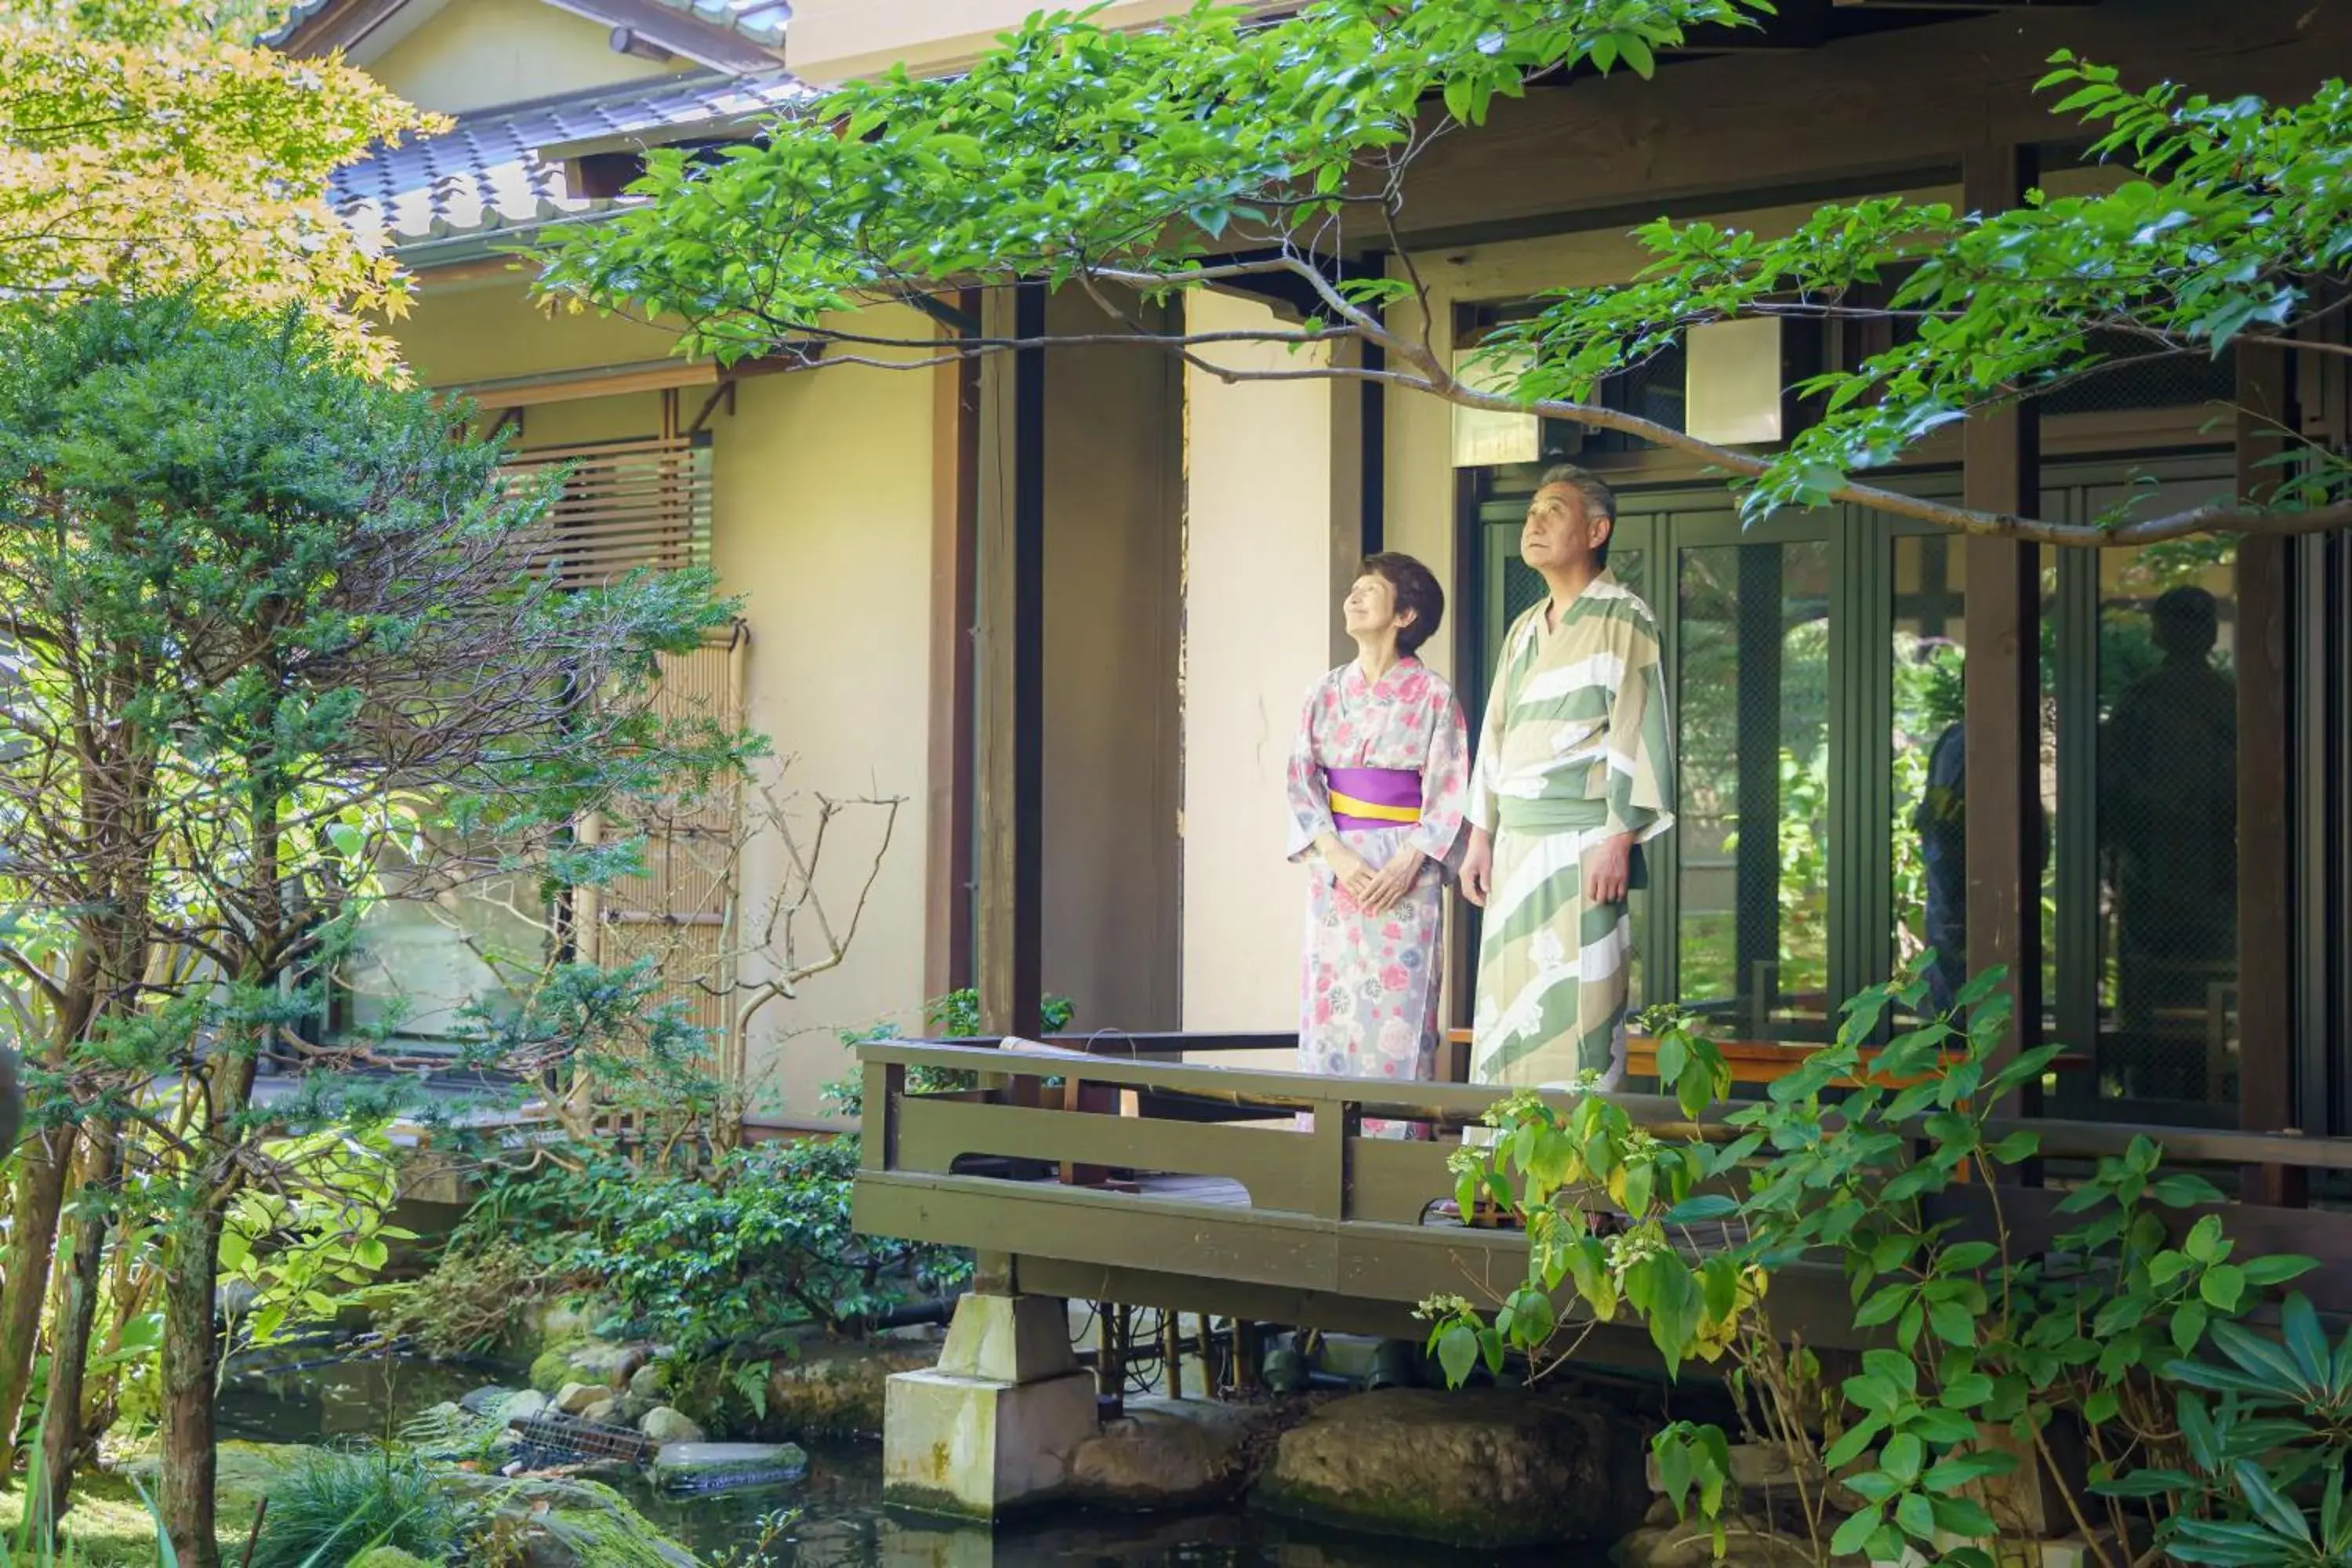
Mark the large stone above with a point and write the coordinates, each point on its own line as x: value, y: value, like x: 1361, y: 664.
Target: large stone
x: 663, y: 1425
x: 979, y: 1448
x: 574, y: 1398
x: 649, y: 1382
x: 529, y: 1405
x: 612, y: 1365
x: 1168, y: 1453
x: 607, y: 1367
x: 837, y: 1391
x: 714, y: 1467
x: 1483, y: 1467
x: 487, y: 1401
x: 561, y: 1522
x: 604, y: 1412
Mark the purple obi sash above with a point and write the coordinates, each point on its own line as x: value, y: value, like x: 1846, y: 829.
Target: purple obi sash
x: 1373, y: 797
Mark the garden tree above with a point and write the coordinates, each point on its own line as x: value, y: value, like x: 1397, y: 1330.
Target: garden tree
x: 1217, y: 152
x: 145, y: 147
x: 267, y: 618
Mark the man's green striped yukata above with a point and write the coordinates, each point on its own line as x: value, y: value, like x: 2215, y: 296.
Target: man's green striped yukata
x: 1576, y: 749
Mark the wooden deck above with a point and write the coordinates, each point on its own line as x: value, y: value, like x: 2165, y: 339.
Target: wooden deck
x: 1139, y: 1178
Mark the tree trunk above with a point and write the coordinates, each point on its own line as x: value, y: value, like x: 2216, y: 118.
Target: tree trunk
x: 191, y: 1357
x: 62, y: 1434
x: 40, y: 1194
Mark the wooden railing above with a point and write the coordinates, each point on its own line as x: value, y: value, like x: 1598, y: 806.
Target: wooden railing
x: 1199, y: 1175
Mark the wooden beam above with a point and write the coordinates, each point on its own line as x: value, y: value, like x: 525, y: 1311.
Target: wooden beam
x: 1011, y: 667
x: 2266, y: 867
x: 2001, y: 471
x: 947, y: 840
x: 1887, y: 104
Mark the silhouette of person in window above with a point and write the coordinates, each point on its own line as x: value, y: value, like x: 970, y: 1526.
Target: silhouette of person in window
x: 1942, y: 823
x: 2168, y: 823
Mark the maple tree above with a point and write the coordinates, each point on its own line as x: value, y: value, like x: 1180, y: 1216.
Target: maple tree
x: 147, y: 146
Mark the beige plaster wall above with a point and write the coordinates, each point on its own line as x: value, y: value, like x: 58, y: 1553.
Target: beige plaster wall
x: 823, y: 519
x: 1256, y: 634
x: 478, y: 54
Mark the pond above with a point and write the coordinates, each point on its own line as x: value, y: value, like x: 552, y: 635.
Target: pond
x: 842, y: 1522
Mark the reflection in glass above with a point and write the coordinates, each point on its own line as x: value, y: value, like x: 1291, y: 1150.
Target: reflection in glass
x: 1754, y: 818
x: 2167, y: 823
x: 1928, y: 834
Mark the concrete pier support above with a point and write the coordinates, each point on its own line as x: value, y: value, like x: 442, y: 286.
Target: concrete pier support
x: 994, y: 1424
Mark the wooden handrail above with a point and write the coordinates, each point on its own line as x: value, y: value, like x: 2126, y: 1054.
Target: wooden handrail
x: 1456, y: 1105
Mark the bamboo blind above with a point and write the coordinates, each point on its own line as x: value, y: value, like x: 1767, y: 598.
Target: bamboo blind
x: 624, y: 505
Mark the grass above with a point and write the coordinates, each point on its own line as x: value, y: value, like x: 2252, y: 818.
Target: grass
x: 331, y: 1507
x: 111, y: 1526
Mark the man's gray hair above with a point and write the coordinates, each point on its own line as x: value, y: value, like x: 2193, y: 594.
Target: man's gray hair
x: 1593, y: 493
x: 1599, y: 500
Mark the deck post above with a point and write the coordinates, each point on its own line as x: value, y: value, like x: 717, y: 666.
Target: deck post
x: 993, y: 1427
x: 1011, y: 614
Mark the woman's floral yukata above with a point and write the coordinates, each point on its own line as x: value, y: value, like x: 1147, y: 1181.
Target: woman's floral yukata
x: 1369, y: 992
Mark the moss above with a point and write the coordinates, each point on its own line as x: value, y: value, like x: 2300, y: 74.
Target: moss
x: 552, y: 1369
x: 389, y: 1557
x: 619, y: 1536
x: 108, y: 1526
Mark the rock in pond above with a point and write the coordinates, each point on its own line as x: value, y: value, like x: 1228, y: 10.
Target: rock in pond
x: 574, y: 1398
x: 490, y: 1400
x: 711, y: 1467
x: 1473, y: 1468
x: 838, y: 1390
x: 587, y: 1361
x: 666, y: 1425
x: 525, y: 1405
x: 560, y: 1523
x: 1168, y: 1453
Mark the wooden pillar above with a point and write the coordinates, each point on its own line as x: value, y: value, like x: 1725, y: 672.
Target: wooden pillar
x: 948, y: 883
x: 1011, y: 660
x: 2266, y: 868
x: 1756, y: 898
x: 2001, y: 471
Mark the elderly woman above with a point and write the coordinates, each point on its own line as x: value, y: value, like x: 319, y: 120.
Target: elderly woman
x: 1379, y: 778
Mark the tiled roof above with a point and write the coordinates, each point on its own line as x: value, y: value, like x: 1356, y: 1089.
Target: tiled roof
x: 487, y: 172
x: 761, y: 21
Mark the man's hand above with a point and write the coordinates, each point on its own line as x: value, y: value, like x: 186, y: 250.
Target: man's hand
x: 1392, y: 882
x: 1478, y: 867
x: 1606, y: 869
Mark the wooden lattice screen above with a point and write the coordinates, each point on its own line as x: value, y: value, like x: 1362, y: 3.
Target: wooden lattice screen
x: 624, y: 505
x: 681, y: 911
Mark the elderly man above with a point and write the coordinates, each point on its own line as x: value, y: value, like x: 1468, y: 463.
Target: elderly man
x: 1574, y: 773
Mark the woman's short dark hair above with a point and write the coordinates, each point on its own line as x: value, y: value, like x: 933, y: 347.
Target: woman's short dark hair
x: 1415, y: 588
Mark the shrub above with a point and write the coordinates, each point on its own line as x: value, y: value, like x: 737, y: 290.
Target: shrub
x: 333, y: 1504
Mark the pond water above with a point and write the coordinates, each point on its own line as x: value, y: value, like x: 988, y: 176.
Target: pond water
x: 842, y: 1522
